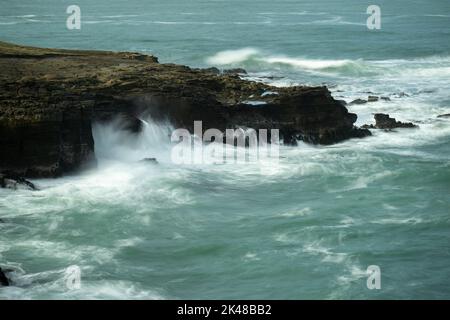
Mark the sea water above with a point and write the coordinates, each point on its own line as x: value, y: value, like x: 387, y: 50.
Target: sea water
x: 307, y: 225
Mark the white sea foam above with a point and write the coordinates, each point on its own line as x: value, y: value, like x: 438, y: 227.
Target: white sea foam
x: 55, y: 288
x: 308, y: 63
x: 354, y: 273
x: 410, y: 220
x: 316, y: 248
x: 114, y: 142
x: 297, y: 212
x: 250, y: 256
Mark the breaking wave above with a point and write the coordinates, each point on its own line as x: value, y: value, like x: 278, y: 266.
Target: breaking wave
x: 255, y: 59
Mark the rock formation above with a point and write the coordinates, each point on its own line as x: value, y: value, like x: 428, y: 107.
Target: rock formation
x: 3, y: 279
x: 384, y: 121
x: 11, y: 180
x: 49, y: 99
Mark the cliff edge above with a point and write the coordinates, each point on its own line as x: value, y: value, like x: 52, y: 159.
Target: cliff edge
x: 49, y: 99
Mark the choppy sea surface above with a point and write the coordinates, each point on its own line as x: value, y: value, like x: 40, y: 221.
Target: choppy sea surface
x: 306, y: 226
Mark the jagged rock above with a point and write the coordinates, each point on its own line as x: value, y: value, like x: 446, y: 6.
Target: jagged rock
x: 10, y: 180
x: 49, y: 99
x: 444, y: 115
x: 3, y: 279
x: 235, y: 71
x: 384, y: 121
x: 385, y: 98
x: 358, y: 101
x: 362, y: 101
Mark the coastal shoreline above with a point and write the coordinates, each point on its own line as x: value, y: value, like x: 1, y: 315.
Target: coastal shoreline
x: 50, y: 98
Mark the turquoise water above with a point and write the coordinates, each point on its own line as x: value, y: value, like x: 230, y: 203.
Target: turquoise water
x: 307, y: 226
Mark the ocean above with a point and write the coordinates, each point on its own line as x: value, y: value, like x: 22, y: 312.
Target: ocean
x: 305, y: 227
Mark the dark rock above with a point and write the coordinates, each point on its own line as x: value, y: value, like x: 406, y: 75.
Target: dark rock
x: 149, y: 160
x: 272, y: 77
x: 373, y: 99
x: 383, y: 121
x: 212, y: 70
x: 361, y: 132
x: 385, y: 98
x: 235, y: 71
x: 3, y: 279
x: 358, y: 101
x: 10, y: 180
x: 49, y: 99
x: 444, y: 115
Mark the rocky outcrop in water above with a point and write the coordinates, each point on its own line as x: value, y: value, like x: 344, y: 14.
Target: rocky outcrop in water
x: 3, y: 279
x: 50, y: 98
x: 149, y: 161
x: 10, y: 180
x: 235, y: 71
x: 369, y: 99
x: 384, y: 121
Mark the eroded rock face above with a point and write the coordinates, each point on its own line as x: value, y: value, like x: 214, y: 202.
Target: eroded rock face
x: 49, y: 99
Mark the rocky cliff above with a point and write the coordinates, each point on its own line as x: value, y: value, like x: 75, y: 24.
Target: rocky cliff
x: 49, y: 99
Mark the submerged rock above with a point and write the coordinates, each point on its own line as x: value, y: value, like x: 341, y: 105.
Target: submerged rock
x: 444, y: 115
x: 3, y: 279
x: 373, y: 99
x: 384, y: 121
x: 402, y: 95
x: 50, y: 98
x: 358, y: 101
x: 10, y: 180
x: 149, y: 160
x: 235, y: 71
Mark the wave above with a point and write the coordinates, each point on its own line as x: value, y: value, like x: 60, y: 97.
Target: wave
x: 121, y: 16
x: 300, y: 13
x: 114, y: 142
x: 258, y: 60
